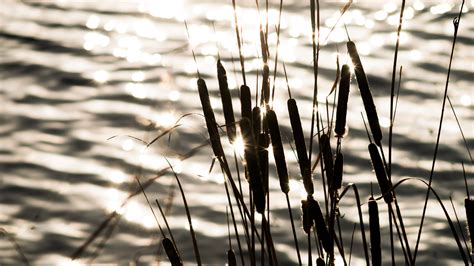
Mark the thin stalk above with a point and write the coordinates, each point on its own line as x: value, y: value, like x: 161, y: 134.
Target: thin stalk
x: 186, y: 207
x: 456, y: 26
x: 293, y: 229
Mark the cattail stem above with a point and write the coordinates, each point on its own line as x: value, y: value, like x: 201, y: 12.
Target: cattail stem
x: 435, y: 153
x: 293, y: 228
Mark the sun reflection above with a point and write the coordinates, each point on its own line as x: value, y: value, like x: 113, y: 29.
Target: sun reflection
x: 117, y: 177
x: 239, y: 144
x: 101, y: 76
x: 384, y: 122
x: 165, y: 119
x: 466, y: 100
x: 93, y: 22
x: 174, y: 96
x: 138, y: 76
x: 128, y: 145
x: 418, y: 5
x: 137, y: 90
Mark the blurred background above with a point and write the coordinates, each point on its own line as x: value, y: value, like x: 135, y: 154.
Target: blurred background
x: 84, y: 85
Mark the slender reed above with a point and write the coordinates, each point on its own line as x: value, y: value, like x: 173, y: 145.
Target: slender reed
x: 435, y: 153
x: 188, y: 214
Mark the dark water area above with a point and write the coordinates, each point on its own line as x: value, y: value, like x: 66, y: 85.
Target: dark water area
x: 85, y: 85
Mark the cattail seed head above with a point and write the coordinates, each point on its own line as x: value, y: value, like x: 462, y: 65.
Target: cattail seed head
x: 253, y: 166
x: 278, y: 152
x: 231, y: 260
x: 256, y: 122
x: 171, y: 252
x: 210, y: 118
x: 343, y: 97
x: 263, y: 142
x: 226, y: 101
x: 374, y: 224
x: 300, y: 146
x: 266, y: 84
x: 325, y: 145
x: 380, y: 173
x: 365, y: 93
x: 320, y: 262
x: 245, y: 102
x: 320, y: 224
x: 338, y: 171
x: 306, y: 217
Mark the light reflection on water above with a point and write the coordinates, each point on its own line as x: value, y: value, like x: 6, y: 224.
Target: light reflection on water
x: 77, y: 74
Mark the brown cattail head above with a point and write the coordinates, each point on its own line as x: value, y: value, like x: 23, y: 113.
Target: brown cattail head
x: 231, y: 260
x: 300, y: 146
x: 266, y: 84
x: 171, y: 252
x: 320, y: 225
x: 365, y: 93
x: 325, y: 146
x: 338, y: 171
x: 263, y: 142
x: 344, y: 87
x: 374, y: 224
x: 256, y: 122
x: 320, y: 262
x: 245, y: 102
x: 278, y: 153
x: 253, y: 166
x: 210, y: 118
x: 380, y: 173
x: 469, y: 205
x: 226, y: 101
x: 306, y: 217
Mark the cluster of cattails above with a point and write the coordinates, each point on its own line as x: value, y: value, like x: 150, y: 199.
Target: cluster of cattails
x: 259, y: 128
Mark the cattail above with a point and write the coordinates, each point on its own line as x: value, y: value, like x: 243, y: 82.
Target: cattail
x: 263, y: 142
x: 253, y: 167
x: 338, y: 170
x: 226, y: 101
x: 380, y: 173
x: 231, y: 260
x: 245, y: 102
x: 469, y: 205
x: 300, y: 146
x: 374, y: 224
x: 343, y: 97
x: 306, y: 217
x: 256, y: 122
x: 320, y: 262
x: 171, y: 252
x: 266, y: 84
x: 365, y: 93
x: 325, y: 145
x: 210, y: 118
x: 278, y: 152
x: 320, y: 224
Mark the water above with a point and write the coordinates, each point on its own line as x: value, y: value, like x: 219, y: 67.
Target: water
x: 83, y: 81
